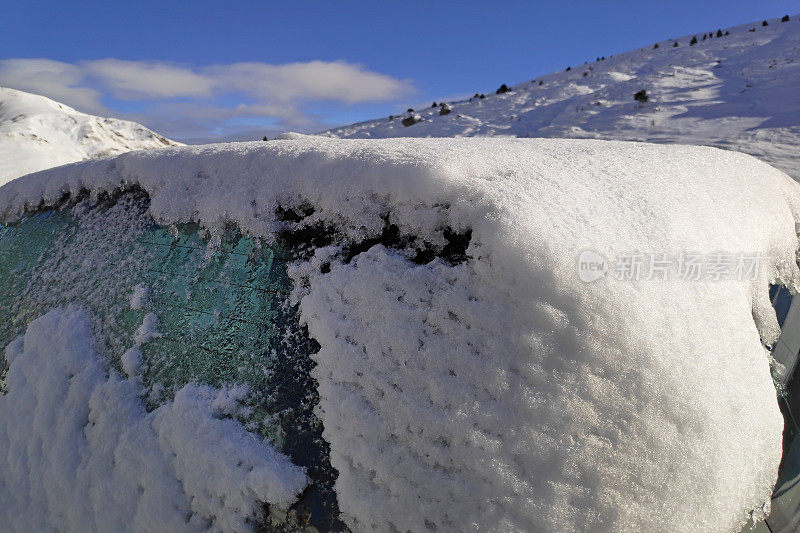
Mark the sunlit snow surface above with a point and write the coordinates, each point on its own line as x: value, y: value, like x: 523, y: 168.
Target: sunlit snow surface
x: 502, y: 392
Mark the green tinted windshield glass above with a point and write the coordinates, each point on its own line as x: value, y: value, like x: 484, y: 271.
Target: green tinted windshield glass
x: 220, y: 307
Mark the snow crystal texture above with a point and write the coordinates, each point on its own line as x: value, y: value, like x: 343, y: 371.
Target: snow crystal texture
x: 78, y: 452
x: 503, y: 393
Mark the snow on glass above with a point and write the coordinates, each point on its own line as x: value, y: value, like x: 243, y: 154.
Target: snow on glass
x: 104, y: 463
x: 172, y: 308
x: 500, y: 392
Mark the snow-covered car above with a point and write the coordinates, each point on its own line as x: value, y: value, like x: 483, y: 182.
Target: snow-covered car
x: 435, y: 334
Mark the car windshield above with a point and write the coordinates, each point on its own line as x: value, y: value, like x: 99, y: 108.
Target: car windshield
x: 221, y: 304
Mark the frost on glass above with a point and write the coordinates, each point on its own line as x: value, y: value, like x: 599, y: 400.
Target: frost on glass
x: 221, y: 308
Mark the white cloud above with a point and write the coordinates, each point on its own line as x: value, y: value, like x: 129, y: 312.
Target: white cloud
x: 134, y: 80
x: 184, y: 96
x: 142, y: 80
x: 314, y: 80
x: 53, y: 79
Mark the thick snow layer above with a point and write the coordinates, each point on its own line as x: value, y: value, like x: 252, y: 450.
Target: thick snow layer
x: 504, y: 393
x: 38, y: 133
x: 78, y: 452
x: 738, y: 91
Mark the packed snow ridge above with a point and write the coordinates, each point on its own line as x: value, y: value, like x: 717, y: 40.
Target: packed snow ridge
x: 737, y: 90
x: 38, y: 133
x: 500, y: 392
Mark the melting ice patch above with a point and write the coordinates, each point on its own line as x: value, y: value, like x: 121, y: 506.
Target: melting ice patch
x: 78, y: 452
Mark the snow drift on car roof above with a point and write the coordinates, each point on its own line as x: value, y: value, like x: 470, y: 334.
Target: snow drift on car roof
x: 570, y: 372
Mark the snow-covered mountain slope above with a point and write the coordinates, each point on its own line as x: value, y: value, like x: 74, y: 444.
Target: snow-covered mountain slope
x: 38, y: 133
x: 737, y: 91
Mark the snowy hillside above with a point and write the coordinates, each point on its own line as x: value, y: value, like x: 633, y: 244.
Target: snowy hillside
x: 737, y: 91
x: 38, y: 133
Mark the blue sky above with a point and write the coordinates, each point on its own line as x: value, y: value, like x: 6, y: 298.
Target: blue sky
x: 210, y: 70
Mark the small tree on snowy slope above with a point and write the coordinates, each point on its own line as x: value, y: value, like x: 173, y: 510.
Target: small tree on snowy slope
x: 693, y: 41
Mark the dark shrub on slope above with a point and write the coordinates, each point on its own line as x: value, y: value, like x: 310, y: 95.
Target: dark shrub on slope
x: 411, y: 120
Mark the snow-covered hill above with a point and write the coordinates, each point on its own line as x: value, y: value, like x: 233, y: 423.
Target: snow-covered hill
x: 740, y: 91
x: 38, y: 133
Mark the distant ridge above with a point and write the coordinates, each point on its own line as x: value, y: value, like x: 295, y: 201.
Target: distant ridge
x: 736, y: 88
x: 38, y: 133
